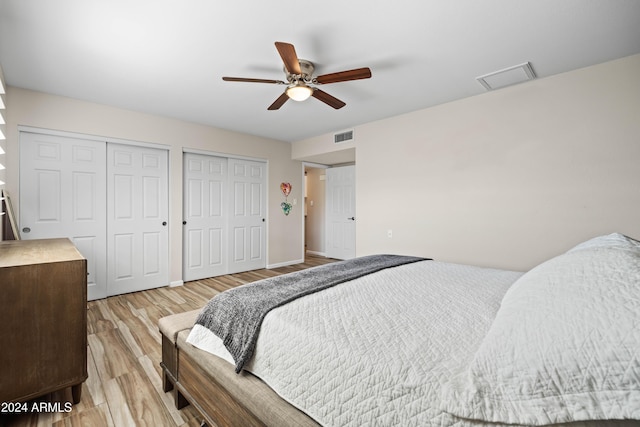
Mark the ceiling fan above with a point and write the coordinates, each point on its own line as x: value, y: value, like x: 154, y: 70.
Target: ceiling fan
x: 301, y: 82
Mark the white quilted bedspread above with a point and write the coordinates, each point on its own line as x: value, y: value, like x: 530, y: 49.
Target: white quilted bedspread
x: 365, y: 354
x: 558, y: 344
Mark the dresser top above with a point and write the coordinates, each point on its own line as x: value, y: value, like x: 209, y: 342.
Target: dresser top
x: 15, y: 253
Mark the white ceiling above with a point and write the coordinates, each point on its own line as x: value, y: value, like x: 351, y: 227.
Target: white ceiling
x: 167, y: 57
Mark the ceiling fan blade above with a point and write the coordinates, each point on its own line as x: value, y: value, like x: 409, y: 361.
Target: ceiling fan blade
x: 328, y: 99
x: 343, y: 76
x: 242, y: 79
x: 279, y: 102
x: 288, y: 54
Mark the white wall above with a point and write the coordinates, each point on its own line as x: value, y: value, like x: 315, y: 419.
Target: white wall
x: 36, y: 109
x: 508, y: 178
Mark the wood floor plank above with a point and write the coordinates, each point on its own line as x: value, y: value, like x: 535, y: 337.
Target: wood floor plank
x: 96, y: 416
x: 144, y: 403
x: 92, y: 388
x: 154, y: 378
x: 124, y: 387
x: 112, y: 354
x: 118, y: 405
x: 99, y: 317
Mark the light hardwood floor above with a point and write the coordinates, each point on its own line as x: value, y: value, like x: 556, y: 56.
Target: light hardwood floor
x: 124, y: 387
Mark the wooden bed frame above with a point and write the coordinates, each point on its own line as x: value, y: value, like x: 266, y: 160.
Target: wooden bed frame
x: 212, y: 387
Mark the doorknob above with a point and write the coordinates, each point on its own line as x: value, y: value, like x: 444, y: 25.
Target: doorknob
x: 184, y: 222
x: 26, y: 230
x: 164, y: 223
x: 353, y: 218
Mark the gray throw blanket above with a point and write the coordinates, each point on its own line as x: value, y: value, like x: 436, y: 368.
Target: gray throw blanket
x: 236, y: 315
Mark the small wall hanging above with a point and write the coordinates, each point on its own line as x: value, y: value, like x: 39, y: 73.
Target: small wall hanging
x: 285, y: 187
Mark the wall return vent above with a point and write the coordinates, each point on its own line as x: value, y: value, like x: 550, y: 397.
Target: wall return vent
x: 341, y: 137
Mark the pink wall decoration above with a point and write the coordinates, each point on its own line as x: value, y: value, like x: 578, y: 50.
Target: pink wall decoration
x: 285, y: 187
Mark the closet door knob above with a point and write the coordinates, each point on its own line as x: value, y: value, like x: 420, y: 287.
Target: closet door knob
x: 164, y: 223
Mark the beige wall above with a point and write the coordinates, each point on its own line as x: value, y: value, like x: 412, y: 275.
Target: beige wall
x: 507, y: 178
x: 46, y: 111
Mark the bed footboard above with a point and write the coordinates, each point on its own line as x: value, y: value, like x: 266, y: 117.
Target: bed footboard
x: 169, y: 367
x: 212, y: 387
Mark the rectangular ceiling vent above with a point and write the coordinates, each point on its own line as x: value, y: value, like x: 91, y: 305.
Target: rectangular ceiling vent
x: 507, y: 77
x: 341, y: 137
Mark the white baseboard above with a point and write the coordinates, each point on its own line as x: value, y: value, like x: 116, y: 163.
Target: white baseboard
x: 176, y: 283
x: 317, y: 253
x: 285, y: 264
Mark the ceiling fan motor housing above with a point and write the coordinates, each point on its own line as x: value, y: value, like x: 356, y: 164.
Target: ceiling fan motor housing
x: 307, y: 69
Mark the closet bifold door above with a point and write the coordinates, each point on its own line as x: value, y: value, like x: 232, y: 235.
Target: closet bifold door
x: 137, y: 218
x: 62, y: 194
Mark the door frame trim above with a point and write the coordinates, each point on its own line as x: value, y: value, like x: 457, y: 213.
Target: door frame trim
x: 69, y: 134
x: 304, y: 191
x: 225, y: 155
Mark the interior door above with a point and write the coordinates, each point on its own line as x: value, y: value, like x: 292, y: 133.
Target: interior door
x: 341, y: 212
x: 62, y: 194
x: 205, y: 216
x: 137, y: 201
x: 247, y: 202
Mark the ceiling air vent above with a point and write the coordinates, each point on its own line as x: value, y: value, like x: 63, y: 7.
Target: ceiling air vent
x: 507, y: 77
x: 339, y: 138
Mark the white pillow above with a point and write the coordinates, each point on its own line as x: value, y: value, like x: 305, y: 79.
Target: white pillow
x: 564, y: 346
x: 610, y: 241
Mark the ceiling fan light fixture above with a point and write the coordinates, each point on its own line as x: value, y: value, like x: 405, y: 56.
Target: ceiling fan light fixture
x: 299, y: 92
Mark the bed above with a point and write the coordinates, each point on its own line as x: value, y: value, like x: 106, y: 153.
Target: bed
x: 427, y: 343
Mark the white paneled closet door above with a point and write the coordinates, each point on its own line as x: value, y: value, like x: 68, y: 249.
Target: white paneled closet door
x: 62, y: 194
x: 205, y: 216
x: 247, y: 201
x: 224, y: 215
x: 137, y: 203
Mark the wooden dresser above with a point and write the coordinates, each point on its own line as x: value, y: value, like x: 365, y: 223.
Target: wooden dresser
x: 43, y: 319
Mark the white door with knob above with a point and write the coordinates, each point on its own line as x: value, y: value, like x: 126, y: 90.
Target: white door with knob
x: 341, y: 212
x: 247, y: 202
x: 62, y: 194
x: 137, y: 218
x: 205, y: 216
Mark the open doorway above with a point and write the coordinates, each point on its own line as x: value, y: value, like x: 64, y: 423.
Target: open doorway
x: 314, y: 210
